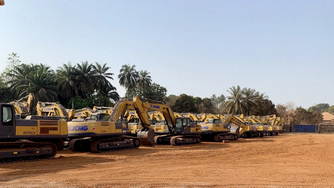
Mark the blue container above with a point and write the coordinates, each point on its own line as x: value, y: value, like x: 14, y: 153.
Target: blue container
x: 306, y: 128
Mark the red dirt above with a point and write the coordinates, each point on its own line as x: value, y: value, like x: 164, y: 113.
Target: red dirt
x: 288, y: 160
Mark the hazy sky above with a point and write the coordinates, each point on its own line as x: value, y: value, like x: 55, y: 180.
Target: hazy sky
x: 284, y: 49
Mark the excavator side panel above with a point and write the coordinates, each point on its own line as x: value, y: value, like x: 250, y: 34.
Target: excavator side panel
x: 206, y: 127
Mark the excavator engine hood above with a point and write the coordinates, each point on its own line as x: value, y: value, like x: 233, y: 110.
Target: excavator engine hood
x: 146, y: 137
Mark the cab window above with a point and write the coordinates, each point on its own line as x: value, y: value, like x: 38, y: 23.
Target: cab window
x: 185, y: 122
x: 216, y: 121
x: 178, y: 122
x: 7, y: 115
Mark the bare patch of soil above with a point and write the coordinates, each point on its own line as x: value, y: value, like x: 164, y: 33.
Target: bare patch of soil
x: 287, y: 160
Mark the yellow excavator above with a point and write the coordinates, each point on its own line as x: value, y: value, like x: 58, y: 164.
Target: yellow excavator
x: 201, y: 117
x: 83, y: 113
x: 51, y: 109
x: 214, y: 130
x: 279, y: 122
x: 246, y: 130
x: 54, y: 109
x: 103, y: 109
x: 180, y: 130
x: 23, y: 105
x: 266, y: 121
x: 99, y: 135
x: 266, y: 129
x: 133, y: 121
x: 35, y: 137
x: 97, y: 113
x: 273, y: 122
x: 260, y: 128
x: 192, y: 116
x: 176, y: 114
x: 160, y: 124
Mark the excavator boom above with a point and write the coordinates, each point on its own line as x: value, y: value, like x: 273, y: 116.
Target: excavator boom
x: 180, y: 129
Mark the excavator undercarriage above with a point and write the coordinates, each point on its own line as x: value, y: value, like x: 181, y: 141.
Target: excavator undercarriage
x: 26, y: 151
x: 177, y: 140
x: 104, y: 144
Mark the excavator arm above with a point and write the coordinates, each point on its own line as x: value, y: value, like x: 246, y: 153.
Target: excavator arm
x: 180, y: 130
x: 23, y: 105
x: 177, y: 115
x: 202, y: 117
x: 236, y: 121
x: 146, y: 135
x: 51, y: 109
x: 192, y: 117
x: 143, y: 105
x: 159, y: 116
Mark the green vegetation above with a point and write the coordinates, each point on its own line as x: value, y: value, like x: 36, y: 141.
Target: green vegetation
x: 83, y: 84
x: 86, y: 85
x: 241, y: 101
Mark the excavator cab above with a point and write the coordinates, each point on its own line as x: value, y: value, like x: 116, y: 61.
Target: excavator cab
x: 99, y: 116
x: 7, y: 126
x: 182, y: 126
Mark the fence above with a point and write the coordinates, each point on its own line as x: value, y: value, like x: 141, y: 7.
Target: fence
x: 326, y: 128
x: 305, y: 128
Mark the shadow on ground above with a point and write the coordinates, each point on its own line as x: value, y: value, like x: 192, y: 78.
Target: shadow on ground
x: 51, y: 166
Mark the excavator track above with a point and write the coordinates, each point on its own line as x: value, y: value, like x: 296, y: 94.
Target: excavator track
x: 275, y: 134
x: 160, y: 139
x: 181, y: 140
x: 177, y: 140
x: 261, y: 134
x: 80, y: 144
x: 26, y: 151
x: 100, y: 145
x: 225, y: 136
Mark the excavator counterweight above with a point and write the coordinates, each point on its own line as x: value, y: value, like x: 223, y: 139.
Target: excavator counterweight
x: 32, y: 138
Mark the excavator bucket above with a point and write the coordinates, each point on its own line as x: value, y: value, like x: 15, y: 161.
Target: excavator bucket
x: 146, y: 137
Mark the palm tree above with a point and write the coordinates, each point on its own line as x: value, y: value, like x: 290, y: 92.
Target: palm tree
x: 45, y: 68
x: 249, y: 99
x: 234, y: 103
x: 218, y: 102
x: 112, y: 93
x: 19, y: 77
x: 102, y: 75
x: 144, y: 80
x: 85, y: 78
x: 66, y: 81
x: 42, y: 85
x: 128, y: 76
x: 263, y: 105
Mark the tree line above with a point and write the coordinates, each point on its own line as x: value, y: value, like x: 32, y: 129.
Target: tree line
x: 74, y: 86
x: 245, y: 101
x: 86, y: 85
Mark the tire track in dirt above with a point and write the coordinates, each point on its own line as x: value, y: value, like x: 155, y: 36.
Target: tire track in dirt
x: 324, y: 156
x: 288, y: 160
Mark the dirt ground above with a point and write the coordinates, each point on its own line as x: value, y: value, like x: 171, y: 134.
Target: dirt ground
x: 288, y: 160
